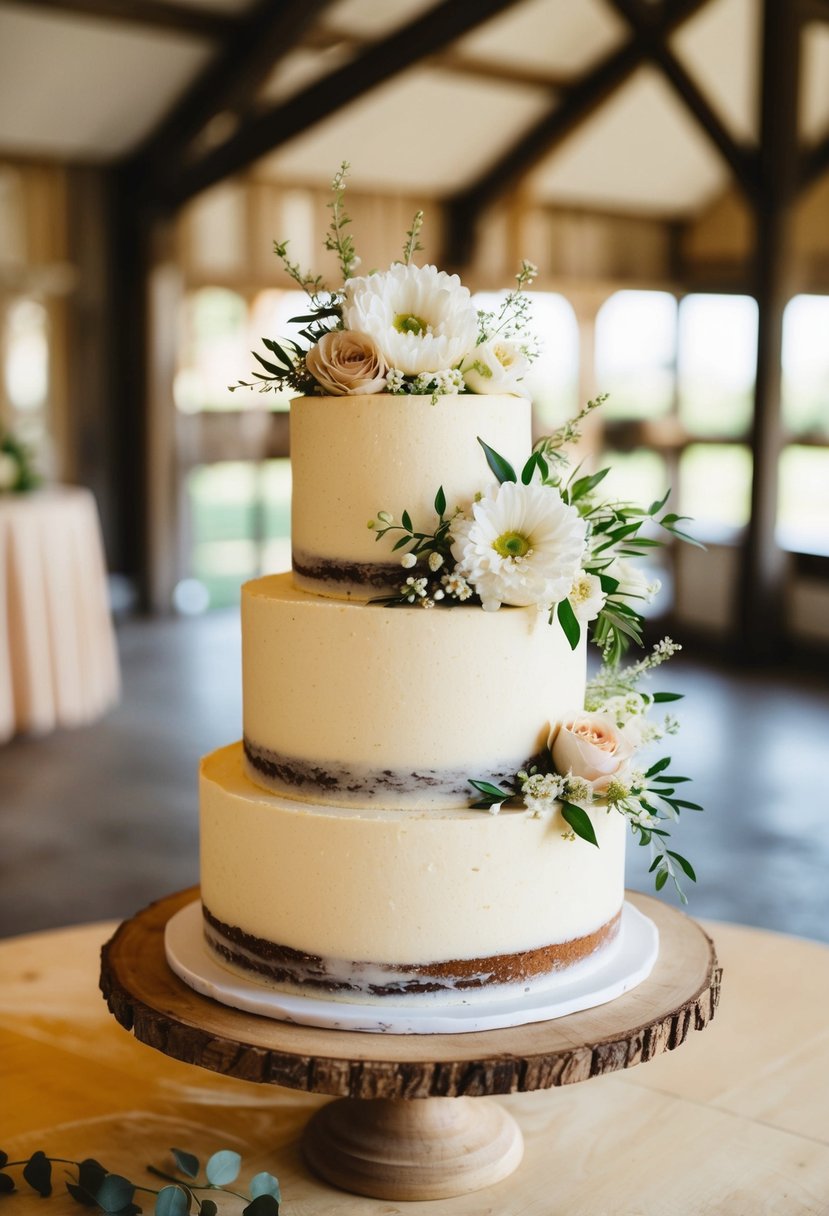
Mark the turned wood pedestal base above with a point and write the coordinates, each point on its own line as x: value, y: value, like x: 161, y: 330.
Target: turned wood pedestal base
x: 410, y: 1128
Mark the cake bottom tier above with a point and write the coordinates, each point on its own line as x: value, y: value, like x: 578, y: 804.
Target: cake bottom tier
x: 380, y: 902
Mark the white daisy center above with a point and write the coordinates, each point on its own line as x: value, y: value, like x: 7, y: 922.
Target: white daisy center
x: 511, y: 544
x: 408, y: 323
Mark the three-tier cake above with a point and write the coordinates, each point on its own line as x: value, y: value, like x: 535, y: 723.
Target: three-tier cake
x: 339, y: 852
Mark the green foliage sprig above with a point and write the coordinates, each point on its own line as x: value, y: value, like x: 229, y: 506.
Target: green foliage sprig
x: 412, y: 244
x: 325, y: 307
x: 551, y: 446
x: 339, y: 241
x: 425, y: 586
x: 513, y: 317
x: 93, y: 1186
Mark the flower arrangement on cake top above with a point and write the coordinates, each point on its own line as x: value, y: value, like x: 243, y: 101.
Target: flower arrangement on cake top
x: 408, y: 329
x: 541, y: 536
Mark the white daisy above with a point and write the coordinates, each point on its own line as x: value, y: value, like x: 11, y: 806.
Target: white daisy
x: 521, y: 546
x: 421, y: 319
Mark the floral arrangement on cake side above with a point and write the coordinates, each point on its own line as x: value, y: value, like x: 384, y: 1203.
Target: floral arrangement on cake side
x: 549, y: 540
x: 541, y: 536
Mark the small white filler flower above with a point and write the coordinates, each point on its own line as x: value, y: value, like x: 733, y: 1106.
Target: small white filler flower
x: 523, y: 545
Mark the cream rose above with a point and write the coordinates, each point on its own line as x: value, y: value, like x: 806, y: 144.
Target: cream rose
x: 591, y: 746
x: 346, y: 362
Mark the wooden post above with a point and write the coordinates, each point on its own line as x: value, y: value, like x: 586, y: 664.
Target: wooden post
x: 762, y: 582
x: 128, y: 232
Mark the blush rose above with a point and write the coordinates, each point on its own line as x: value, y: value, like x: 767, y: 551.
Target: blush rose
x: 345, y: 362
x: 591, y: 746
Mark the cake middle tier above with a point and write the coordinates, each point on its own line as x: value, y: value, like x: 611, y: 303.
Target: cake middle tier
x: 354, y: 456
x: 353, y: 705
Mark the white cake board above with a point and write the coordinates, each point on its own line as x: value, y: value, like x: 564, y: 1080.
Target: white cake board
x: 621, y: 967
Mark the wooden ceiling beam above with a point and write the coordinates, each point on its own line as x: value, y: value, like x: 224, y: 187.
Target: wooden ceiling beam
x: 326, y: 38
x: 582, y: 99
x: 742, y: 162
x: 814, y: 10
x: 151, y: 14
x: 426, y: 35
x: 229, y: 82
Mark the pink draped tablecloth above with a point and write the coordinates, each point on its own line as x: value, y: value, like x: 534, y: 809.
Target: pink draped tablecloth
x: 58, y: 659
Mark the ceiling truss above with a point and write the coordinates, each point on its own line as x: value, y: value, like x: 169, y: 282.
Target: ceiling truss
x: 268, y: 129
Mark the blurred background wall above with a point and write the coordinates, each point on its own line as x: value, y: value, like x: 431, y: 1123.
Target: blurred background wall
x: 664, y: 162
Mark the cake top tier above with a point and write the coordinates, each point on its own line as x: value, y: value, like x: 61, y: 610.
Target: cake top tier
x: 354, y: 456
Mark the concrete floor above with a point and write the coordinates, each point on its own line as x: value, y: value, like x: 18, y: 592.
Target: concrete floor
x: 96, y: 822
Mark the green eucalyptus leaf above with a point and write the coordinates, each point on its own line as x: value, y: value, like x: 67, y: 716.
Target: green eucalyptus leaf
x: 585, y: 484
x: 486, y: 787
x: 569, y: 623
x: 688, y: 806
x: 262, y: 1205
x: 406, y: 521
x: 172, y: 1201
x: 659, y: 504
x: 660, y: 697
x: 658, y: 767
x: 264, y: 1184
x: 38, y: 1173
x: 608, y: 584
x: 223, y: 1167
x: 656, y: 861
x: 6, y: 1184
x: 114, y: 1193
x: 277, y: 350
x: 269, y: 367
x: 684, y: 864
x: 661, y: 879
x: 90, y: 1176
x: 535, y: 462
x: 404, y: 540
x: 499, y: 465
x: 186, y: 1162
x: 579, y: 821
x: 440, y: 501
x: 80, y: 1195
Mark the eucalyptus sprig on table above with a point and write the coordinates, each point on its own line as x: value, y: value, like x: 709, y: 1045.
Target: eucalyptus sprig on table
x: 93, y: 1186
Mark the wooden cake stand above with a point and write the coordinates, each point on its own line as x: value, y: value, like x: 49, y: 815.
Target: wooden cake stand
x: 376, y: 1140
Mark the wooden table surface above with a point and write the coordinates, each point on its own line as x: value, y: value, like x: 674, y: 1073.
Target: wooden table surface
x: 734, y: 1123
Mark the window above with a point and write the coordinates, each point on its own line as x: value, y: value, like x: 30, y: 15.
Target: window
x: 803, y: 502
x: 717, y: 360
x: 636, y: 354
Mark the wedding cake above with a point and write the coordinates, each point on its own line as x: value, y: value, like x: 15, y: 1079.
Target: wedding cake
x: 429, y: 797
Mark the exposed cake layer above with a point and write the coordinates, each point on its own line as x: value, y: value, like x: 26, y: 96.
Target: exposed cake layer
x: 354, y: 456
x: 353, y: 705
x: 395, y: 889
x: 283, y: 967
